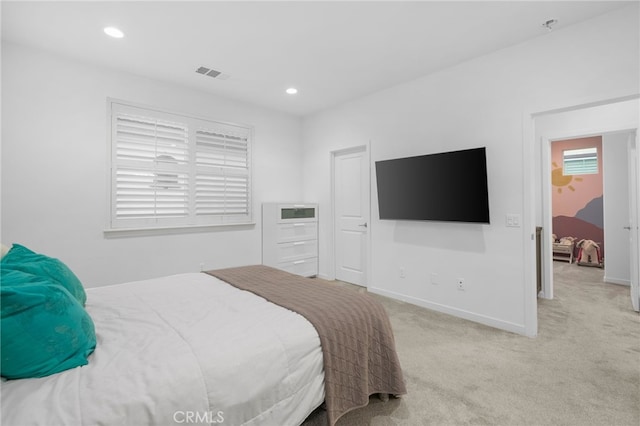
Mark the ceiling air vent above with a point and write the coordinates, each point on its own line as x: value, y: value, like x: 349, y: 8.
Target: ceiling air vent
x: 212, y: 73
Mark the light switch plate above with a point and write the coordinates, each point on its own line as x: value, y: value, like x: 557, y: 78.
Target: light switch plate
x: 513, y: 220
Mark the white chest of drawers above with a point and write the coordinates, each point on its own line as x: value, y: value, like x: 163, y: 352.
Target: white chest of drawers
x: 290, y: 237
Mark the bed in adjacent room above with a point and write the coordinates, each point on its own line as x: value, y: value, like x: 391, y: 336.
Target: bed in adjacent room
x: 209, y: 348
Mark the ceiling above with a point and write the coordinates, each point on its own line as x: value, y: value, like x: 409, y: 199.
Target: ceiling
x: 331, y: 51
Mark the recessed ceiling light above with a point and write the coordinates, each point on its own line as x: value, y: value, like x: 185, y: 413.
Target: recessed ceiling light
x: 113, y: 32
x: 292, y: 90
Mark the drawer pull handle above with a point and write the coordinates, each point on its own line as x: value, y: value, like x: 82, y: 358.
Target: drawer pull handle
x: 298, y: 224
x: 298, y: 262
x: 298, y: 243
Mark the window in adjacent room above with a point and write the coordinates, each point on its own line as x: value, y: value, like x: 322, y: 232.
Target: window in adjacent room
x: 171, y: 170
x: 580, y: 161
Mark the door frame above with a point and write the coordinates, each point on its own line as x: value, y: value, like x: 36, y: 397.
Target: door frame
x: 544, y: 158
x: 333, y: 221
x: 547, y: 204
x: 633, y: 150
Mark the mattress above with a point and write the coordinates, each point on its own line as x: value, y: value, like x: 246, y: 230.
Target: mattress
x: 186, y: 348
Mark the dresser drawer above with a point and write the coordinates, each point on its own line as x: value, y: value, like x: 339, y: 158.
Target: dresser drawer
x: 305, y: 267
x: 297, y: 250
x: 296, y: 231
x: 297, y: 213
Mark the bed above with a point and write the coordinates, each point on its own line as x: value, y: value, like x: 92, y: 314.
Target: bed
x: 209, y: 348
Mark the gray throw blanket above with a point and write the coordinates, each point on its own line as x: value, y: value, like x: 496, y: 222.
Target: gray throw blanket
x: 357, y: 341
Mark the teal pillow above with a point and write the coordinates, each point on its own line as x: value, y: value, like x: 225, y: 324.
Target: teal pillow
x: 22, y: 259
x: 10, y: 277
x: 45, y: 330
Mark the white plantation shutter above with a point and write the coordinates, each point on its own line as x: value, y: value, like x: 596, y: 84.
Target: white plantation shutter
x: 222, y: 172
x: 171, y: 170
x: 152, y: 169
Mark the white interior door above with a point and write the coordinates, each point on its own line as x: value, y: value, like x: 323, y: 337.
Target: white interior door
x: 634, y: 237
x: 351, y: 215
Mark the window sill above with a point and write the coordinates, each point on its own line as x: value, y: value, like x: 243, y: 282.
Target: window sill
x: 172, y: 230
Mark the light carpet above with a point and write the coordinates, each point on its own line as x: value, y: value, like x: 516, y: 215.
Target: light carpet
x: 583, y: 368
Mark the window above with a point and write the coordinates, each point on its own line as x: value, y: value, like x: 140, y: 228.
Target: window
x: 580, y: 161
x: 171, y: 170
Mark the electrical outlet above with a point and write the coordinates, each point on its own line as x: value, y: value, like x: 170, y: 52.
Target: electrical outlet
x: 434, y: 279
x: 201, y: 266
x: 402, y: 275
x: 461, y: 286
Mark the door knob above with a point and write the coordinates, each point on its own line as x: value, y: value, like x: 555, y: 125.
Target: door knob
x: 627, y: 227
x: 363, y: 224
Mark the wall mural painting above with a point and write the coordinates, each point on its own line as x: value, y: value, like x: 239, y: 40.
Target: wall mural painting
x: 577, y: 199
x: 559, y: 180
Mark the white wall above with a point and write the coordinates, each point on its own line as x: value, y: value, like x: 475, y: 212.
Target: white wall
x: 615, y: 159
x: 478, y: 103
x: 55, y: 168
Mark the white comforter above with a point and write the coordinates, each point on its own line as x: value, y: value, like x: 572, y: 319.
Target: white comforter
x: 184, y: 349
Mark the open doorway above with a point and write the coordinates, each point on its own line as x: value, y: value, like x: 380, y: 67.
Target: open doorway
x: 577, y: 201
x: 606, y: 120
x: 590, y: 205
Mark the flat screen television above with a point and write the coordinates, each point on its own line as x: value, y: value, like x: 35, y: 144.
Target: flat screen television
x: 447, y: 187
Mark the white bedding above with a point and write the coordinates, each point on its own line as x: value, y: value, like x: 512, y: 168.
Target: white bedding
x: 184, y: 349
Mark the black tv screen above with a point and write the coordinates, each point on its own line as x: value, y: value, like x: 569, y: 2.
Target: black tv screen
x: 448, y: 187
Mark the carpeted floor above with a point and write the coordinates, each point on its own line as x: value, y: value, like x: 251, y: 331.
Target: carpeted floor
x: 583, y: 368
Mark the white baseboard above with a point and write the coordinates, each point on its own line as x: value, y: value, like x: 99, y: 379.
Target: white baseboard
x: 619, y: 281
x: 471, y: 316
